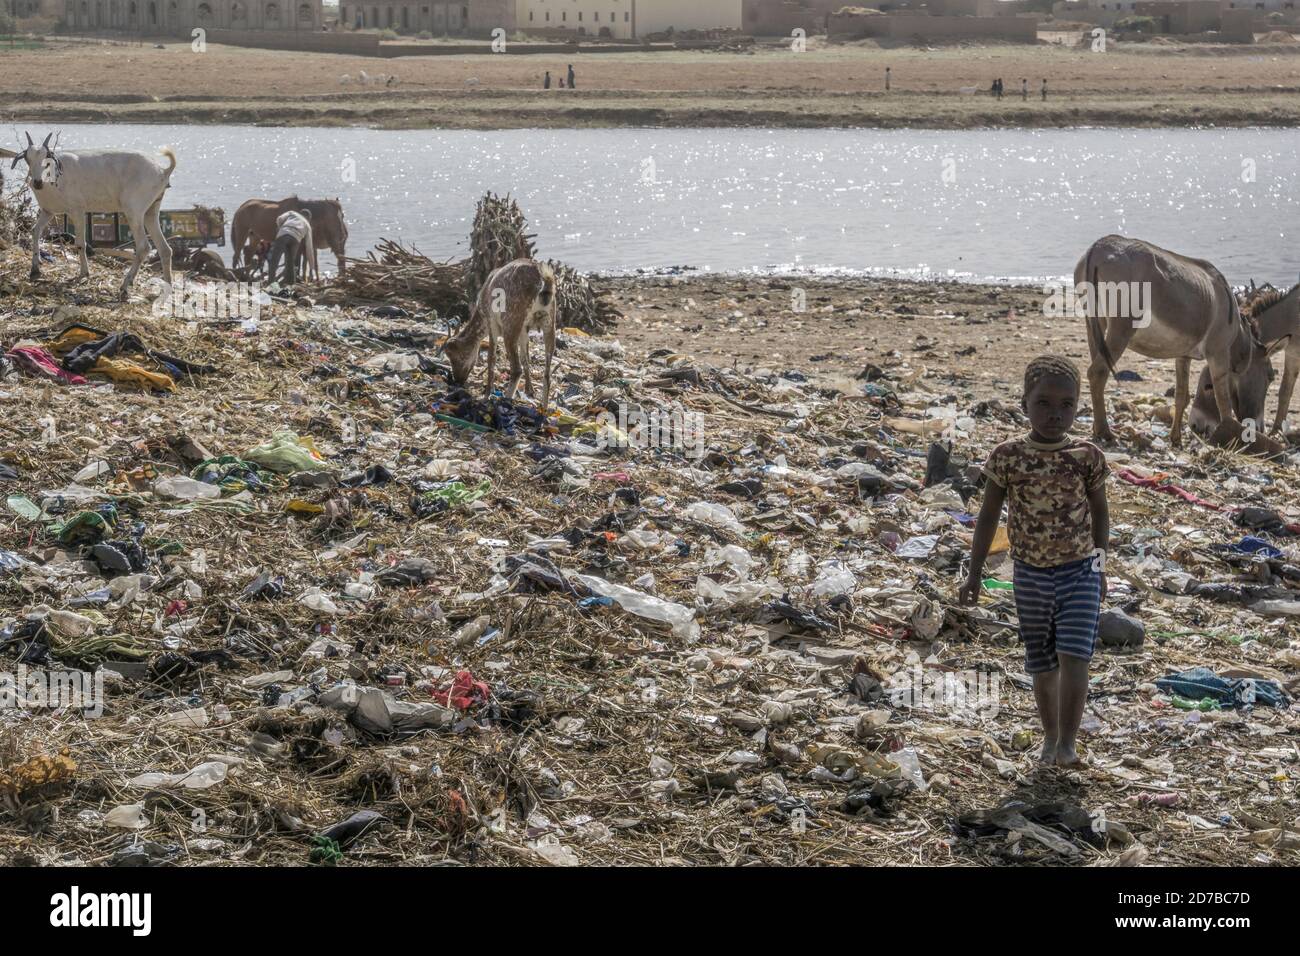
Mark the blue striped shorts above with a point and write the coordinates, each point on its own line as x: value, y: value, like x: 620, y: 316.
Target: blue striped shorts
x: 1058, y: 609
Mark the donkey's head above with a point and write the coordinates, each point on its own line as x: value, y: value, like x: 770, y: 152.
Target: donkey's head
x: 462, y: 351
x: 1252, y: 388
x: 1249, y: 390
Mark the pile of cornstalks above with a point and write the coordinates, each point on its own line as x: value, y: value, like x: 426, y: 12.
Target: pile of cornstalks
x: 580, y: 306
x: 17, y: 213
x: 499, y: 236
x: 391, y: 273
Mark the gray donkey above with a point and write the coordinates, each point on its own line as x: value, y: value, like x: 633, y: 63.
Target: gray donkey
x: 1277, y: 315
x: 1173, y: 307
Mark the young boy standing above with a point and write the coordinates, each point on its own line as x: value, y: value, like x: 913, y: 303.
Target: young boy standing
x: 1058, y: 524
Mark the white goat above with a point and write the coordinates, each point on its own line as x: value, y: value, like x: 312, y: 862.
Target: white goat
x: 81, y: 181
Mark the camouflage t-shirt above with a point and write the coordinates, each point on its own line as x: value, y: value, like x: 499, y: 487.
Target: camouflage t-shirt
x: 1047, y: 486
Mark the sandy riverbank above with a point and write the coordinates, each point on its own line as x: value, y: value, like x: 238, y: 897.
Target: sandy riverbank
x: 1130, y: 85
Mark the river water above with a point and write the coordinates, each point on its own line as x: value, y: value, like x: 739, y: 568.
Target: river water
x: 981, y: 205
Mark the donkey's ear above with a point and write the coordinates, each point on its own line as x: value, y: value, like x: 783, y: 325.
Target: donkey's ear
x: 1279, y: 344
x: 7, y: 153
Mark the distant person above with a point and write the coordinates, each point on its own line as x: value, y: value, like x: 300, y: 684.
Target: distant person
x: 1024, y: 88
x: 573, y: 84
x: 546, y: 81
x: 561, y: 82
x: 1044, y: 91
x: 886, y: 79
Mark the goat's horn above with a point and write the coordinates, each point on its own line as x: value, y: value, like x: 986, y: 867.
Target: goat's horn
x: 29, y: 139
x: 46, y: 144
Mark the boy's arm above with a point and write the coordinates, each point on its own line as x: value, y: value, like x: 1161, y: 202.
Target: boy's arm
x: 986, y: 526
x: 1100, y: 510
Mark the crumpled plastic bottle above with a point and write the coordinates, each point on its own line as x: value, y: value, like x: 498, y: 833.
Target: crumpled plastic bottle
x: 185, y: 489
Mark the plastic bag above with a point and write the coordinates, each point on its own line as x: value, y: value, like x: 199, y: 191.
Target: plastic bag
x: 918, y: 547
x: 908, y: 762
x: 734, y: 556
x: 129, y: 816
x: 719, y: 516
x: 202, y: 777
x: 833, y: 579
x: 680, y: 617
x: 92, y: 471
x: 287, y: 454
x: 319, y: 601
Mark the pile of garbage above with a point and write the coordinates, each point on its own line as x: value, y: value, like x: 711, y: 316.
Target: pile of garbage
x: 327, y: 608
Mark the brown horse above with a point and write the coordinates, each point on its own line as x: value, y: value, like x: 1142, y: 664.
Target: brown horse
x: 255, y: 221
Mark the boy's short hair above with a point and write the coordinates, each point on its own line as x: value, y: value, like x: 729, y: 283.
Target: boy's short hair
x: 1050, y: 366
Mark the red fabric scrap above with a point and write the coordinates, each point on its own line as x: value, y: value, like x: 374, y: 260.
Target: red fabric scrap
x: 37, y: 361
x: 464, y: 692
x: 1167, y: 488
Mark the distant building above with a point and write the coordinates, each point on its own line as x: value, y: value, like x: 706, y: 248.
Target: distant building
x: 172, y: 17
x: 1181, y: 16
x: 1171, y: 16
x: 22, y: 9
x: 1267, y: 6
x: 657, y: 16
x: 766, y: 18
x: 438, y: 17
x: 615, y: 19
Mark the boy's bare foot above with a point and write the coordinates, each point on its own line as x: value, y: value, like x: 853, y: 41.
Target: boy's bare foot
x: 1069, y: 759
x: 1048, y: 757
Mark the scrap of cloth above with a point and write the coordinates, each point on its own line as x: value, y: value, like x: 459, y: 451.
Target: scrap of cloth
x: 1201, y: 682
x: 1156, y: 483
x: 84, y: 356
x: 37, y: 361
x: 125, y: 372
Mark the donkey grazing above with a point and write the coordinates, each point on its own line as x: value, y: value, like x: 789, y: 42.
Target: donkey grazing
x: 518, y: 296
x: 1189, y: 312
x: 1276, y: 317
